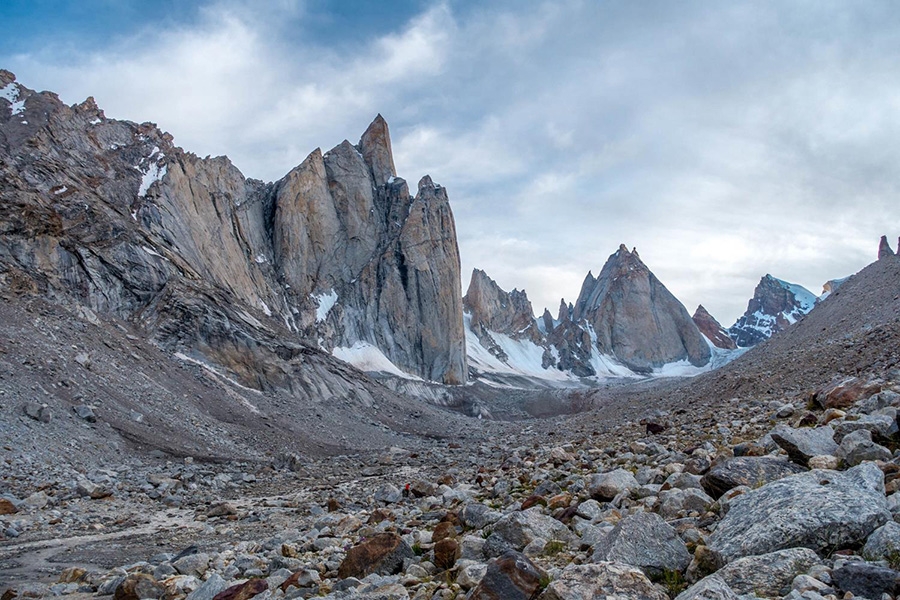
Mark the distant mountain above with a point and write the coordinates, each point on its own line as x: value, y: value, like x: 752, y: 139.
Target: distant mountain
x: 712, y: 329
x: 625, y: 322
x: 775, y: 305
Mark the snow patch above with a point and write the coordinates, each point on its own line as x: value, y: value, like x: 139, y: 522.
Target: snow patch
x: 10, y: 93
x: 153, y: 252
x: 366, y: 357
x: 325, y: 302
x: 265, y: 308
x: 61, y: 190
x: 153, y: 174
x: 260, y: 259
x: 96, y: 121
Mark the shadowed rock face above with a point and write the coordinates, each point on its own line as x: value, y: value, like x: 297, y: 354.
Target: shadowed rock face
x: 635, y: 318
x: 712, y: 329
x: 113, y: 215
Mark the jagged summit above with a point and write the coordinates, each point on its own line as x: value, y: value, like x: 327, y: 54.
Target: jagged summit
x: 375, y: 147
x: 635, y: 318
x: 775, y: 305
x: 712, y: 329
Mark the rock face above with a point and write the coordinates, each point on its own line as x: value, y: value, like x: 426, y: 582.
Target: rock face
x: 337, y: 254
x: 712, y: 329
x: 635, y: 318
x: 775, y: 305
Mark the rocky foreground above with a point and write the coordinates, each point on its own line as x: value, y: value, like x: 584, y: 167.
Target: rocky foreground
x: 778, y: 500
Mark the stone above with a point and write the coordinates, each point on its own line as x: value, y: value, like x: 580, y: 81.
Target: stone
x: 477, y: 515
x: 38, y: 412
x: 817, y: 510
x: 803, y: 444
x: 881, y: 426
x: 752, y: 471
x: 824, y: 461
x: 192, y: 564
x: 884, y: 543
x: 511, y: 576
x: 7, y: 507
x: 865, y: 579
x: 768, y: 574
x: 675, y: 502
x: 607, y: 580
x: 92, y: 490
x: 382, y: 554
x: 606, y: 486
x: 645, y: 541
x: 858, y: 446
x: 85, y: 412
x: 446, y: 552
x: 243, y: 591
x: 518, y: 529
x: 302, y: 579
x: 470, y: 575
x: 711, y: 587
x: 846, y: 392
x: 388, y: 494
x: 442, y: 530
x: 139, y: 586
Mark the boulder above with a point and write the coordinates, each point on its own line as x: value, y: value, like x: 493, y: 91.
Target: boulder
x: 803, y: 444
x: 606, y: 486
x: 644, y: 540
x: 243, y: 591
x: 607, y: 580
x: 768, y: 574
x: 865, y: 579
x: 382, y: 554
x: 139, y: 586
x: 209, y: 589
x: 752, y: 471
x: 820, y: 510
x: 858, y: 446
x: 846, y: 392
x: 511, y: 576
x: 712, y: 587
x: 884, y: 543
x: 518, y: 529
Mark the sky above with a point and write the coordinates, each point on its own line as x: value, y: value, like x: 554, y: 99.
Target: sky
x: 724, y: 140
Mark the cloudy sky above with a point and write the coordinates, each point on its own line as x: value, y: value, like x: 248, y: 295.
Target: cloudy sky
x: 725, y: 140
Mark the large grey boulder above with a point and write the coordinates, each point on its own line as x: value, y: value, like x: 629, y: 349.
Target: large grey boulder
x: 607, y: 580
x: 818, y: 510
x: 606, y: 486
x: 884, y: 543
x: 858, y: 446
x: 866, y: 580
x: 712, y: 587
x: 645, y: 541
x: 768, y: 574
x: 803, y: 444
x: 752, y: 471
x: 518, y: 529
x: 511, y: 576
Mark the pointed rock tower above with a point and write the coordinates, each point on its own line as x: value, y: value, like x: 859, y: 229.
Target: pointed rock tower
x: 635, y: 318
x: 884, y: 248
x: 712, y: 329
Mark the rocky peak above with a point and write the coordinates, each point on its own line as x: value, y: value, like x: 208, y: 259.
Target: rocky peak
x: 375, y: 147
x: 884, y: 248
x: 6, y: 77
x: 492, y: 309
x: 635, y: 318
x: 712, y: 329
x: 775, y: 305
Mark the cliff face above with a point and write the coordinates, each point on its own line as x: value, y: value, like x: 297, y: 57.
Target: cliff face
x: 112, y: 215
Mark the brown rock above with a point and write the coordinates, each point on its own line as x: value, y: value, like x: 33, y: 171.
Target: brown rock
x: 845, y: 392
x: 139, y: 586
x: 509, y: 577
x: 533, y: 500
x: 446, y: 553
x: 243, y: 591
x: 712, y: 329
x: 71, y: 575
x: 443, y: 530
x: 7, y: 507
x: 382, y: 554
